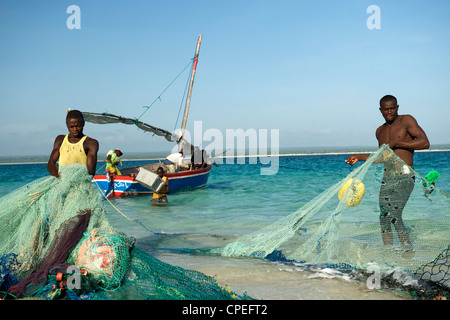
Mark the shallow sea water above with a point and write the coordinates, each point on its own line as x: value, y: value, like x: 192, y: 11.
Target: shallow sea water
x: 238, y: 200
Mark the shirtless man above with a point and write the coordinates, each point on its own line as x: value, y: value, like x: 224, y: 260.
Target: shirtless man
x: 74, y: 147
x: 403, y: 135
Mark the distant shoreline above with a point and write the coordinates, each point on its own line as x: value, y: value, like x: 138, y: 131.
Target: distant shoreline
x: 162, y: 157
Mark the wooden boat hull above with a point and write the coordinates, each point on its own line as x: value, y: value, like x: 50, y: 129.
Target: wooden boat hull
x: 127, y: 185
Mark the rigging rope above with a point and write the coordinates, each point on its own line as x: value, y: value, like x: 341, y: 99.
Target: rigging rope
x: 182, y: 100
x: 159, y: 97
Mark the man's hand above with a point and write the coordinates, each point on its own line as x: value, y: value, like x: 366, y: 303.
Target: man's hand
x: 351, y: 160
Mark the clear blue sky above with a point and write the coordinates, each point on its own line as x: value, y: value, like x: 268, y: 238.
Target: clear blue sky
x: 311, y: 69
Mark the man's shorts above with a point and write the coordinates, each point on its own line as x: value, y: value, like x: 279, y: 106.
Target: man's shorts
x: 394, y: 194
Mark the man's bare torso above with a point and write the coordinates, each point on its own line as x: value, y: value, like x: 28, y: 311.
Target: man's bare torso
x: 396, y: 131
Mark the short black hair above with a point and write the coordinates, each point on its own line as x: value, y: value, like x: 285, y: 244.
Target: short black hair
x: 387, y: 98
x: 74, y: 114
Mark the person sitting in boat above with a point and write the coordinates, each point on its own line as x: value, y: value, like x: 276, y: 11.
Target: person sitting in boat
x: 198, y: 159
x: 160, y: 197
x: 112, y: 160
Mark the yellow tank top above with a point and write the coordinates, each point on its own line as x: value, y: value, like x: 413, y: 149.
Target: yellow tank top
x: 160, y: 195
x: 72, y: 152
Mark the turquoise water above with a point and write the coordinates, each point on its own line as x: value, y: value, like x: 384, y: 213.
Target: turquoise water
x: 237, y: 200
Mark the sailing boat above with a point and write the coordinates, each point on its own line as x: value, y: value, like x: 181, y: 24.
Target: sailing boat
x: 128, y: 183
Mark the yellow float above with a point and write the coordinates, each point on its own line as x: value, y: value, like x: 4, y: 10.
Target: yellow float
x: 355, y: 193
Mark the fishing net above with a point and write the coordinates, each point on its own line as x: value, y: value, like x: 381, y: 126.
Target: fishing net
x: 32, y: 214
x: 382, y: 214
x: 56, y: 243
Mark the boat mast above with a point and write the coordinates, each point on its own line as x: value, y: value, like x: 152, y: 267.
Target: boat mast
x: 191, y: 83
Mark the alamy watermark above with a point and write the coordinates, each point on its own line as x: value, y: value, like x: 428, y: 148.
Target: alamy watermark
x: 73, y: 277
x: 74, y: 20
x: 238, y: 145
x: 373, y: 282
x: 374, y: 20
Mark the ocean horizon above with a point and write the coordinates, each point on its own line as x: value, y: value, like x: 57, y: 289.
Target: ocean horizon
x: 284, y: 151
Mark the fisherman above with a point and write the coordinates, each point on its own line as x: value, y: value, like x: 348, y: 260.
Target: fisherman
x: 403, y: 135
x: 74, y: 147
x: 198, y: 159
x: 160, y: 197
x: 112, y: 160
x: 177, y: 159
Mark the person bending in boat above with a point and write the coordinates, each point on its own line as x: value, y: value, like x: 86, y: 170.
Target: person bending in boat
x: 160, y: 197
x: 403, y: 135
x: 177, y: 159
x: 112, y: 160
x: 198, y: 159
x: 74, y: 147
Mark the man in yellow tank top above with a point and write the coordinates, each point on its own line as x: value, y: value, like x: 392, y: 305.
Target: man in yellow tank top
x: 74, y: 147
x: 160, y: 197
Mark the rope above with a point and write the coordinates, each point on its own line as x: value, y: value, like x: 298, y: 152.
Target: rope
x: 124, y: 215
x: 100, y: 168
x: 182, y: 100
x: 159, y: 97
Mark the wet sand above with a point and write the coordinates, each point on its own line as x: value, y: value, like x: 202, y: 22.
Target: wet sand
x: 267, y: 280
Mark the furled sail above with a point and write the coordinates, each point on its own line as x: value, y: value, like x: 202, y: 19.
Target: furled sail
x: 104, y: 118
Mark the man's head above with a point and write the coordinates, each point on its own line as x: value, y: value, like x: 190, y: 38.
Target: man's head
x: 118, y: 152
x: 160, y: 172
x: 75, y: 123
x: 389, y: 108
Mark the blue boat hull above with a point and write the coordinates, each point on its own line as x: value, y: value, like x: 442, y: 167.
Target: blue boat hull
x: 122, y: 186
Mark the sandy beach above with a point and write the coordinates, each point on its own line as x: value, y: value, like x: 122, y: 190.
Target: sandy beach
x: 267, y: 280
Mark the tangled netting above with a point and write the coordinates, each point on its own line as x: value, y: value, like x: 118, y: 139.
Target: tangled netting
x: 383, y: 213
x: 56, y: 243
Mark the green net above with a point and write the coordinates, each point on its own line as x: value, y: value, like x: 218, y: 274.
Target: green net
x: 383, y: 213
x: 31, y: 215
x: 53, y: 225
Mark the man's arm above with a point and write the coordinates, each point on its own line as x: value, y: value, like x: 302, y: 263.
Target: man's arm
x: 351, y: 160
x: 54, y: 156
x: 91, y: 161
x: 420, y: 139
x: 166, y: 187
